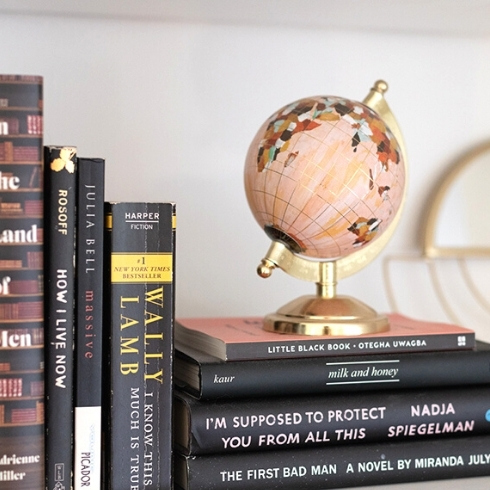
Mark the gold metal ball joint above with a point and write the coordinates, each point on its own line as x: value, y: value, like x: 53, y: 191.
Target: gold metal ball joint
x: 380, y: 86
x: 265, y: 268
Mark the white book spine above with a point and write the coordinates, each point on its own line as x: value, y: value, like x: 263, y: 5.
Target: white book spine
x: 87, y: 450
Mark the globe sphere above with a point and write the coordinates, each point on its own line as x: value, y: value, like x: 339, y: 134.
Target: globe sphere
x: 325, y: 176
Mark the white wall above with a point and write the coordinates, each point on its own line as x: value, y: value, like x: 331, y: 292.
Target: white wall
x: 173, y: 107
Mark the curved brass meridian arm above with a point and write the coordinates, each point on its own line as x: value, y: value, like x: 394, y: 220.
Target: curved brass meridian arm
x: 326, y: 273
x: 355, y: 262
x: 376, y: 101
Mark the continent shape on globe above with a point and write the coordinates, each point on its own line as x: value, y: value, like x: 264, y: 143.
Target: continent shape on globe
x: 325, y: 176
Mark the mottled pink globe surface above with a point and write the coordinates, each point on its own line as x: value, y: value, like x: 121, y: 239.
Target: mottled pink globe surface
x: 325, y: 176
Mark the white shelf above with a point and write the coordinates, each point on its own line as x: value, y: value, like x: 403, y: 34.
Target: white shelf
x: 441, y: 17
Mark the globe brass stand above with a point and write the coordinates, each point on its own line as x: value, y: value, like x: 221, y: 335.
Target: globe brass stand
x: 327, y: 313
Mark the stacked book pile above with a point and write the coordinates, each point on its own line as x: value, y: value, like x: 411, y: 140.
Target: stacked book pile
x: 33, y: 207
x: 21, y: 311
x: 26, y: 286
x: 262, y: 410
x: 26, y: 415
x: 25, y: 153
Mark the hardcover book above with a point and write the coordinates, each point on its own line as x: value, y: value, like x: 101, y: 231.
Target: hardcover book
x: 60, y: 214
x: 21, y: 289
x: 88, y: 331
x: 286, y: 422
x: 207, y: 377
x: 233, y: 339
x: 140, y: 244
x: 326, y: 467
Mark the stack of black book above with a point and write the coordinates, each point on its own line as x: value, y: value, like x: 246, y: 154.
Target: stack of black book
x: 259, y: 410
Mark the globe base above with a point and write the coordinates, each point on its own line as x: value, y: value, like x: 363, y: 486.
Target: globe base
x: 320, y: 316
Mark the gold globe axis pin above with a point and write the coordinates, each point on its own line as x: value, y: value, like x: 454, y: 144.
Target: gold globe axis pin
x: 326, y: 313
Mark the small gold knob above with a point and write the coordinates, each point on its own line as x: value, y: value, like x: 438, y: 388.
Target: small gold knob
x: 380, y: 86
x: 265, y: 268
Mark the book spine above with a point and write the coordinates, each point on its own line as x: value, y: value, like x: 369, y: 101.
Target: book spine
x: 21, y: 301
x: 308, y: 421
x: 141, y: 252
x: 60, y: 215
x: 340, y: 374
x: 305, y: 347
x: 339, y: 467
x: 88, y: 330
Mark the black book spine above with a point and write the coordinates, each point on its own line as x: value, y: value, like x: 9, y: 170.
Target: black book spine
x: 337, y: 467
x: 329, y: 420
x: 362, y: 373
x: 88, y: 330
x: 60, y: 180
x: 306, y: 347
x: 141, y: 252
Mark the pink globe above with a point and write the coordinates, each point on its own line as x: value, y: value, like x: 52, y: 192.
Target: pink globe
x: 325, y: 176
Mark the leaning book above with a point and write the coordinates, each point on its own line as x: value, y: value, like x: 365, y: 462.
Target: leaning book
x: 140, y: 252
x: 21, y: 284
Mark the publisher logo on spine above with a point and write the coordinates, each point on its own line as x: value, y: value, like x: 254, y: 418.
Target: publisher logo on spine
x: 59, y: 476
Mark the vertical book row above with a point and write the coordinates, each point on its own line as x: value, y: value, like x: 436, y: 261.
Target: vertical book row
x: 86, y: 315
